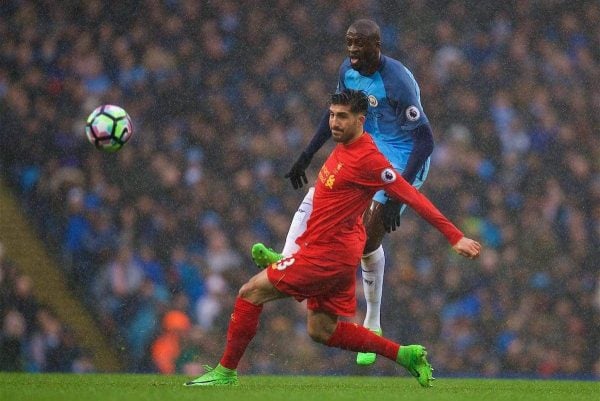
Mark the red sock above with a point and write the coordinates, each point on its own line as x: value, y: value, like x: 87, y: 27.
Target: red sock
x: 356, y: 338
x: 242, y: 329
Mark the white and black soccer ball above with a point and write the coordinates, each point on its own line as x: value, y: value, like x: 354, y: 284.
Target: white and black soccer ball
x: 108, y: 128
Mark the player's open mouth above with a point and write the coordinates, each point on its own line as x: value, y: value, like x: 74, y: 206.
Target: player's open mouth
x: 354, y: 60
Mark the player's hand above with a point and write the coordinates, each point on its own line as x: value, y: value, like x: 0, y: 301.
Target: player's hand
x: 467, y: 247
x: 391, y: 215
x: 297, y: 173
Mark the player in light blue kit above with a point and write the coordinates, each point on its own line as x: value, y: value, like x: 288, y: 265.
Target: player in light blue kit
x: 401, y: 131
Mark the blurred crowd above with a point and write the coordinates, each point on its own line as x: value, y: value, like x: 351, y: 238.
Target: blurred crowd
x: 225, y: 94
x: 32, y: 336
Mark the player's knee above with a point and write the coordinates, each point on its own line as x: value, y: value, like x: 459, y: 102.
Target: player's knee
x: 258, y: 290
x: 371, y: 246
x: 373, y: 242
x: 374, y: 227
x: 318, y: 335
x: 244, y: 291
x: 248, y: 291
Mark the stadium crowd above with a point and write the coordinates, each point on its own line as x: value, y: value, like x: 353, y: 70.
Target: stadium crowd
x: 32, y: 337
x: 223, y: 96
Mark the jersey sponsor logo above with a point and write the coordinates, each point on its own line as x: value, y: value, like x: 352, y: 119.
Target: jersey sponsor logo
x: 373, y: 101
x: 330, y: 181
x: 388, y: 175
x: 324, y: 173
x: 412, y: 113
x: 283, y: 264
x: 328, y: 177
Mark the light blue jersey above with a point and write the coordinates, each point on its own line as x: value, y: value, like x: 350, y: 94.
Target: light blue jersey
x: 394, y: 110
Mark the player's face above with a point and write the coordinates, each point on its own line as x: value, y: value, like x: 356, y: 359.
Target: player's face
x: 345, y: 125
x: 363, y: 51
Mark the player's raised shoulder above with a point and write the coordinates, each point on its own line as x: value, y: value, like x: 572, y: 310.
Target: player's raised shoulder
x: 390, y: 62
x: 371, y: 157
x: 397, y: 73
x: 345, y: 66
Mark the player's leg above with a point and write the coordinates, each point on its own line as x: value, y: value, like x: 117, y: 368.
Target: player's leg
x: 298, y: 225
x: 373, y: 260
x: 242, y: 329
x: 321, y: 325
x: 335, y: 295
x: 264, y: 256
x: 372, y: 269
x: 325, y: 328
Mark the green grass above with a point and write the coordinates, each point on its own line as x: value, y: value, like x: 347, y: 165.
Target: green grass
x: 106, y: 387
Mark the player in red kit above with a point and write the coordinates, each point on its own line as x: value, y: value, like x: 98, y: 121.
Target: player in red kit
x: 323, y: 271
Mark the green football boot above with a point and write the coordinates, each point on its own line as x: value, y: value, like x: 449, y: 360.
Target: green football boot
x: 263, y: 256
x: 367, y: 358
x: 219, y: 376
x: 414, y: 359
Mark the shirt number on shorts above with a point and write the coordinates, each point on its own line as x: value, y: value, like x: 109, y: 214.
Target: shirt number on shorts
x: 284, y: 263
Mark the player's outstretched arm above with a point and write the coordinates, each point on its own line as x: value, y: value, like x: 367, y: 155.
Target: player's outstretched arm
x: 422, y: 149
x: 297, y: 173
x: 467, y: 247
x: 402, y: 191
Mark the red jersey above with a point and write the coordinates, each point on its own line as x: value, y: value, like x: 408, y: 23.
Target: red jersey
x: 343, y: 190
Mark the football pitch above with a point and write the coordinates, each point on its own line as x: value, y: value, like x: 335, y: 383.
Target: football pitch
x: 130, y: 387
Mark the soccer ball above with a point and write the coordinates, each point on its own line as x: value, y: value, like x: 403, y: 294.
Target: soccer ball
x: 108, y: 128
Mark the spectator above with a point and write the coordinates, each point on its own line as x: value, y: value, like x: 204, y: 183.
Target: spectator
x: 12, y: 342
x: 167, y: 347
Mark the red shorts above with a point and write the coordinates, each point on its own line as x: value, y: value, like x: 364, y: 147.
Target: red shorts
x: 327, y: 287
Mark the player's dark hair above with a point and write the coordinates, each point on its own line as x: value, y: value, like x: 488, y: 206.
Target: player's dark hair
x: 357, y: 100
x: 367, y: 27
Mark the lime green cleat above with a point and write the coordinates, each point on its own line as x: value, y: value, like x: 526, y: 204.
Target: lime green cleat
x: 219, y: 376
x: 367, y: 358
x: 414, y: 359
x: 263, y: 256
